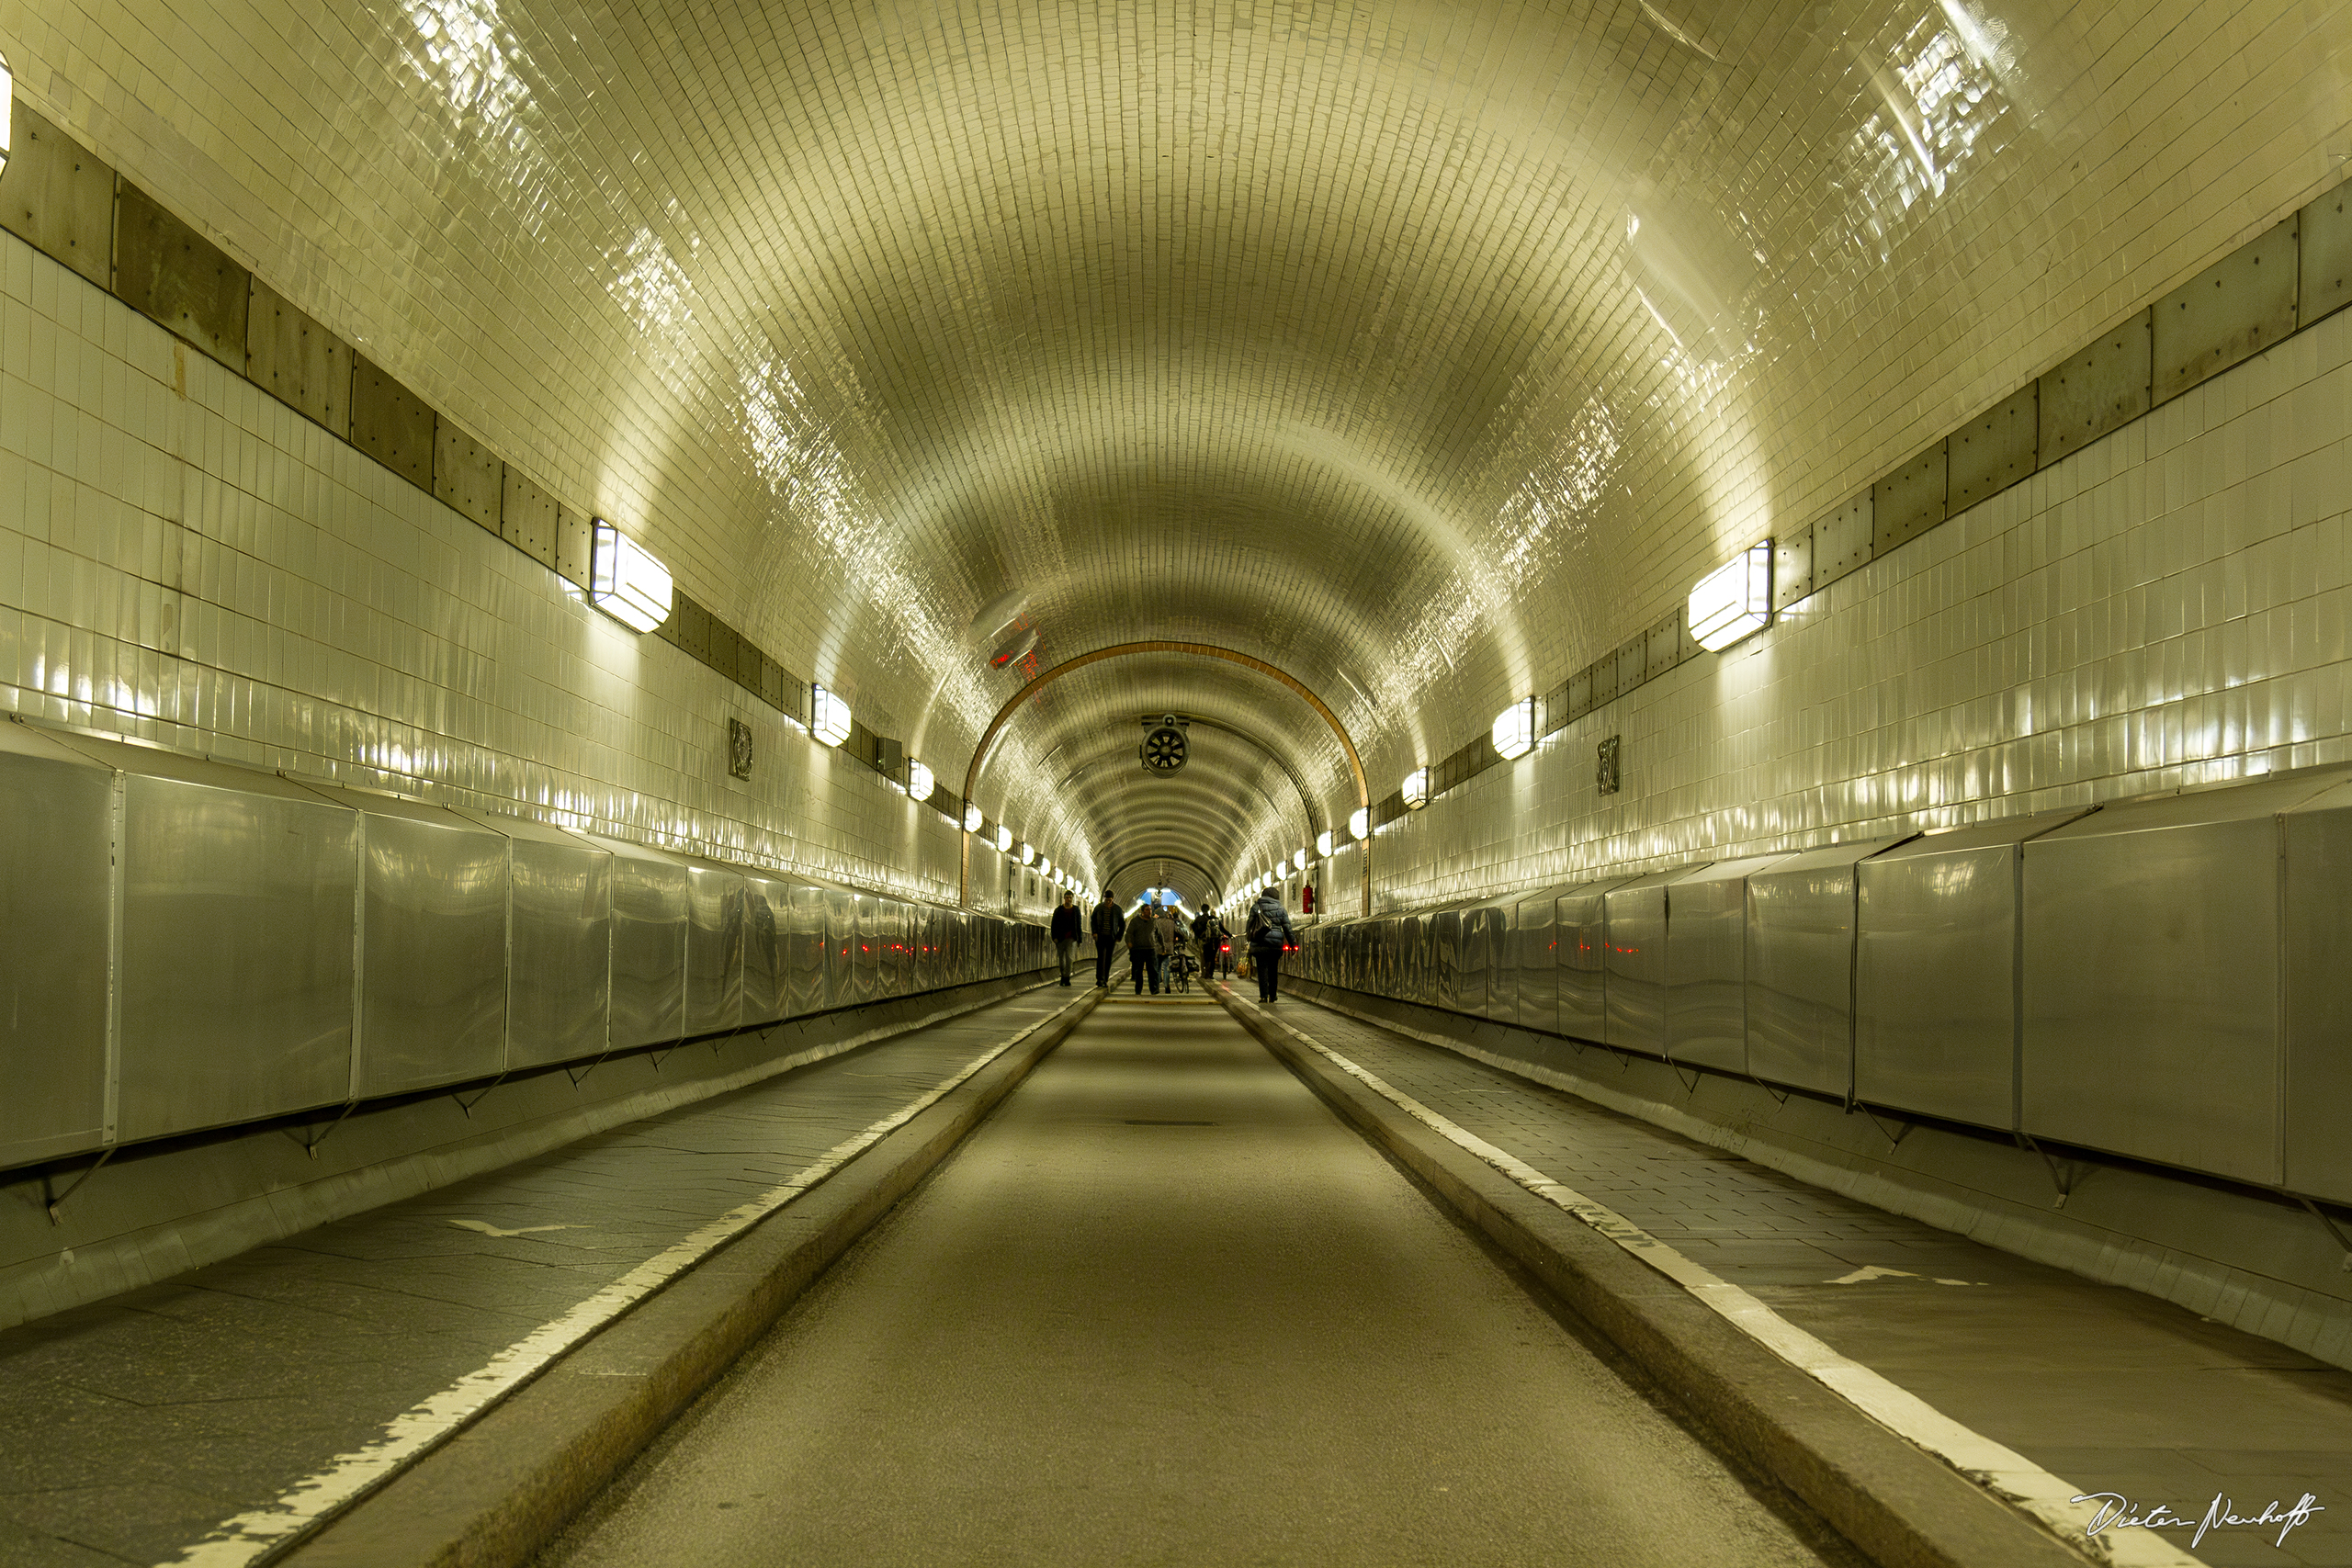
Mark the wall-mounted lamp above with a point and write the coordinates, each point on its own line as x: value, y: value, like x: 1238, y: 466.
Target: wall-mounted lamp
x: 1416, y: 789
x: 624, y: 580
x: 919, y: 782
x: 1360, y: 822
x: 1003, y: 839
x: 7, y: 106
x: 971, y: 818
x: 1735, y: 600
x: 1514, y: 731
x: 1323, y: 844
x: 829, y: 716
x: 1028, y: 855
x: 1299, y: 860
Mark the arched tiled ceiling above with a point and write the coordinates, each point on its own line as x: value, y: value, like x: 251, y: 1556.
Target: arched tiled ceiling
x: 1096, y: 710
x: 1425, y: 348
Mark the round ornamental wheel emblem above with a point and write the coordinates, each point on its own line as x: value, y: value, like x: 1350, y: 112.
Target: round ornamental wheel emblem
x: 1164, y: 750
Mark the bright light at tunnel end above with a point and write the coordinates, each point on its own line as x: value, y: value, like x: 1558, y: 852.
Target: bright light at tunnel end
x: 1734, y: 600
x: 624, y: 580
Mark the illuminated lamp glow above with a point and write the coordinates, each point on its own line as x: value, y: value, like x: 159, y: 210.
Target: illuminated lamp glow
x: 1732, y: 601
x: 1323, y: 843
x: 1360, y: 822
x: 1299, y: 860
x: 920, y: 781
x: 625, y: 580
x: 829, y: 716
x: 1003, y: 839
x: 1416, y: 789
x: 1514, y: 731
x: 7, y: 106
x: 971, y: 818
x: 1028, y: 855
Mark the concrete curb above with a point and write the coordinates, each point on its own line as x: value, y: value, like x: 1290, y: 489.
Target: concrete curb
x: 1901, y: 1506
x: 497, y: 1492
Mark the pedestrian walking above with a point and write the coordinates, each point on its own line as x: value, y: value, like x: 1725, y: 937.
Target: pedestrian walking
x: 1146, y: 947
x: 1268, y: 929
x: 1067, y: 929
x: 1109, y: 927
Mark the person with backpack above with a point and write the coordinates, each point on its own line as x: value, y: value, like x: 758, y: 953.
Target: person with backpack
x: 1109, y: 926
x: 1147, y: 947
x: 1268, y: 929
x: 1064, y: 933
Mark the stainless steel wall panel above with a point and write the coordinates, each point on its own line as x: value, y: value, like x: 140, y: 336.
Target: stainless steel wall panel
x: 1502, y: 961
x: 391, y: 423
x: 60, y: 196
x: 1841, y: 541
x: 467, y: 477
x: 1536, y: 994
x: 56, y: 931
x: 1909, y: 501
x: 2319, y: 1005
x: 714, y: 946
x: 652, y: 905
x: 559, y: 941
x: 239, y: 911
x: 767, y: 964
x: 1995, y: 449
x: 2232, y: 310
x: 1801, y: 968
x: 1935, y: 971
x: 1580, y: 934
x: 2151, y: 1002
x: 1451, y: 981
x: 176, y: 275
x: 1706, y: 964
x: 805, y: 944
x: 841, y: 947
x: 296, y: 360
x: 431, y: 1005
x: 2104, y: 386
x: 1792, y: 566
x: 1635, y: 960
x: 2325, y: 231
x: 866, y: 950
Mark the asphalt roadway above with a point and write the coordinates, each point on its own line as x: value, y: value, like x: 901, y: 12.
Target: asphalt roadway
x: 1164, y: 1308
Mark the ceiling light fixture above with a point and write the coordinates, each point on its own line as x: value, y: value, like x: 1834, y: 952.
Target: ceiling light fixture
x: 1735, y: 600
x: 624, y: 580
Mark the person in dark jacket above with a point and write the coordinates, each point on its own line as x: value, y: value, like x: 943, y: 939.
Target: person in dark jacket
x: 1066, y: 932
x: 1269, y: 933
x: 1206, y: 930
x: 1109, y: 927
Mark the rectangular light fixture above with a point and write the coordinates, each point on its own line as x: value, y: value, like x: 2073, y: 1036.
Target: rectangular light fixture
x: 919, y: 782
x: 1323, y: 844
x: 829, y: 716
x: 971, y: 818
x: 1416, y: 789
x: 1360, y: 822
x: 625, y: 580
x: 1514, y: 731
x: 1735, y: 600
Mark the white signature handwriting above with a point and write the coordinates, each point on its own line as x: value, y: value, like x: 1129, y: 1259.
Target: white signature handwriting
x: 2116, y: 1510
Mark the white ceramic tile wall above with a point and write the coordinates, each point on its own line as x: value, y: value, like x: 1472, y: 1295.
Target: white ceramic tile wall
x: 185, y: 560
x: 2171, y: 606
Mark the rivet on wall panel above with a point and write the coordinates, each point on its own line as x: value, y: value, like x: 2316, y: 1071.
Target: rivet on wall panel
x: 296, y: 360
x: 58, y: 196
x: 391, y: 423
x: 526, y: 517
x: 1841, y: 541
x: 573, y: 546
x: 2232, y: 310
x: 1910, y: 501
x: 2104, y: 386
x: 466, y: 477
x: 1791, y: 567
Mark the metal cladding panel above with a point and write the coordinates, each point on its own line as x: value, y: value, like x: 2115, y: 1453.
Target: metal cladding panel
x: 432, y: 945
x: 894, y: 949
x: 239, y: 907
x: 1416, y: 937
x: 2152, y: 971
x: 1995, y: 449
x: 2319, y: 1005
x: 866, y: 950
x: 767, y: 905
x: 559, y: 941
x: 841, y: 946
x: 56, y: 893
x: 651, y: 899
x: 1633, y: 948
x: 1801, y: 968
x: 1537, y: 993
x: 1935, y: 972
x: 1502, y: 962
x: 714, y: 946
x: 1706, y: 964
x: 2324, y: 281
x: 57, y: 194
x: 804, y: 943
x: 2103, y: 387
x: 2234, y: 308
x: 296, y: 360
x: 1580, y: 938
x: 169, y: 271
x: 1446, y: 990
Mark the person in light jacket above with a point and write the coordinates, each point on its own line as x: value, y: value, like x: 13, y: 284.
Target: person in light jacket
x: 1146, y: 947
x: 1269, y: 933
x: 1109, y: 927
x: 1066, y: 932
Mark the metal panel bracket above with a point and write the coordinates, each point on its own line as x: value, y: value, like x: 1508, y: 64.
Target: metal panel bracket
x: 55, y: 1200
x: 2343, y: 1243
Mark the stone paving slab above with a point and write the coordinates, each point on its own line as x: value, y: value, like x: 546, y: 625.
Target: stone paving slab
x: 2109, y: 1389
x: 130, y: 1427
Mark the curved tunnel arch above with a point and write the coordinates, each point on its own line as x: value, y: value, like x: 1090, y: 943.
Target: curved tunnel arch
x: 982, y: 750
